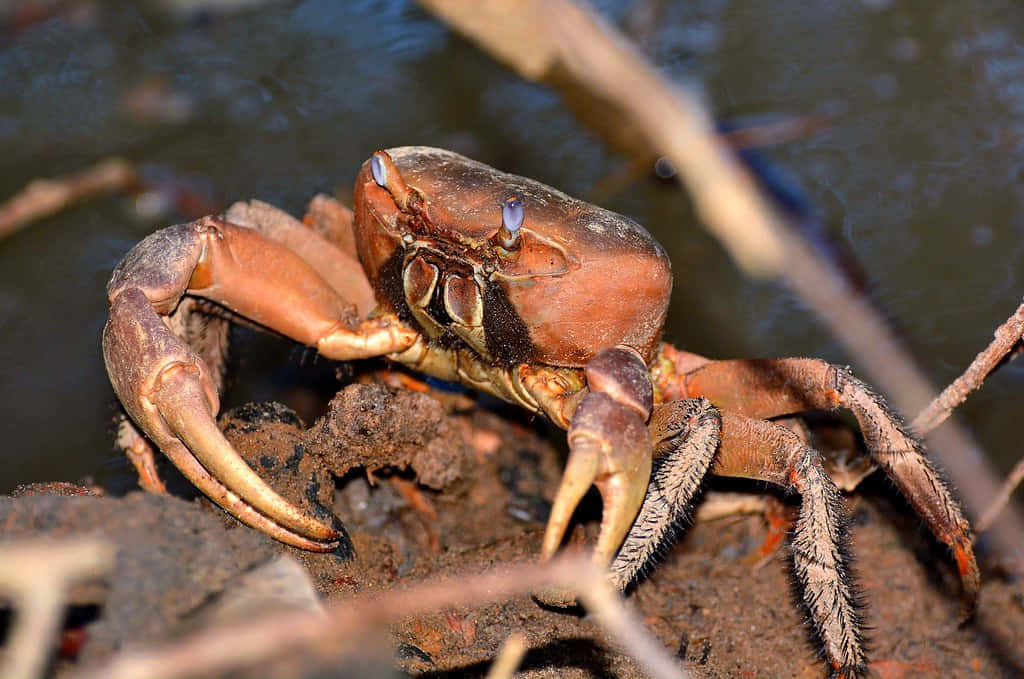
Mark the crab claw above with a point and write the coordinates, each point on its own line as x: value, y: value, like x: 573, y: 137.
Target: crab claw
x: 170, y: 392
x: 609, y: 447
x: 166, y: 388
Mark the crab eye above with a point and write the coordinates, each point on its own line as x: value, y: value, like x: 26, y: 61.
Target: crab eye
x: 511, y: 222
x: 512, y: 214
x: 380, y: 174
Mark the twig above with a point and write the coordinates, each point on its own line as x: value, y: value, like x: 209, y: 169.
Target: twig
x: 1002, y: 499
x: 1007, y: 336
x: 220, y: 650
x: 45, y: 197
x: 510, y: 655
x: 1007, y: 339
x: 38, y: 574
x: 612, y: 87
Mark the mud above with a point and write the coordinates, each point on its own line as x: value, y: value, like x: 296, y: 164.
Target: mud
x: 429, y: 486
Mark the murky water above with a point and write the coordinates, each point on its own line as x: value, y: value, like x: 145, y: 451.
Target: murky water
x: 919, y: 175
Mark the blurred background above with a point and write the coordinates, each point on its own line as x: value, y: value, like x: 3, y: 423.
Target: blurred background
x: 917, y: 171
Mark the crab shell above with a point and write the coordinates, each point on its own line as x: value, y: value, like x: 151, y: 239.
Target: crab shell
x: 555, y: 299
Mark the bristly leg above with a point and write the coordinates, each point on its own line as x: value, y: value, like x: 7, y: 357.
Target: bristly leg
x: 757, y: 449
x: 821, y: 560
x: 901, y: 456
x: 766, y: 388
x: 685, y: 437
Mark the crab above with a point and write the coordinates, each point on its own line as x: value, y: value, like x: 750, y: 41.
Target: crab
x: 510, y: 287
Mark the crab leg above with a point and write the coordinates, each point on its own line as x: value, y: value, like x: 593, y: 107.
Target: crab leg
x: 168, y: 390
x: 772, y: 387
x: 756, y: 449
x: 686, y: 438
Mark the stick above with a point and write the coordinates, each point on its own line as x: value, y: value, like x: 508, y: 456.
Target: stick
x: 38, y: 574
x: 44, y: 197
x: 220, y: 650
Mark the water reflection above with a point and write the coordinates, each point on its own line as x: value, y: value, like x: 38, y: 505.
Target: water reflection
x: 919, y: 176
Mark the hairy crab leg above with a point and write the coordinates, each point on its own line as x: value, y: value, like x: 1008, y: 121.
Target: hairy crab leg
x: 757, y: 449
x: 692, y: 436
x: 256, y: 278
x: 686, y: 437
x: 772, y: 387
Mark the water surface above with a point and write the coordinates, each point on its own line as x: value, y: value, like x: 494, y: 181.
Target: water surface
x: 919, y: 176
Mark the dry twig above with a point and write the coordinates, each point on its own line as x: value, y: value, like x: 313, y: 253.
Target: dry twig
x: 510, y: 655
x: 37, y: 575
x: 44, y: 197
x: 1007, y: 341
x: 617, y: 92
x: 1007, y: 336
x: 219, y: 650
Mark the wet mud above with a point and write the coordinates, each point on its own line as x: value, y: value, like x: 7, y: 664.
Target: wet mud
x: 433, y: 484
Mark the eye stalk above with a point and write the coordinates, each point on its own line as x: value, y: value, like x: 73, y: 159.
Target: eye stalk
x: 380, y: 173
x: 387, y: 176
x: 511, y: 222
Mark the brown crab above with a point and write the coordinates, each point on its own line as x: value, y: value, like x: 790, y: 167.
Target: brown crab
x: 510, y: 287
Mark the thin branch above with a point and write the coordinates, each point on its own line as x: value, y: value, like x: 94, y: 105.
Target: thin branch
x: 1007, y: 340
x: 607, y: 82
x: 44, y: 197
x: 1007, y: 336
x: 37, y: 575
x: 1002, y: 499
x: 220, y: 650
x: 510, y: 656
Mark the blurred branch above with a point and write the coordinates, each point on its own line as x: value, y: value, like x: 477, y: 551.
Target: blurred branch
x: 510, y: 655
x: 609, y: 84
x: 44, y: 197
x: 37, y: 575
x: 215, y: 651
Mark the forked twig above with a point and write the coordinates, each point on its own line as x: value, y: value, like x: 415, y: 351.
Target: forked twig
x: 219, y: 650
x: 37, y: 575
x: 44, y: 197
x: 1006, y: 337
x: 1007, y: 340
x: 617, y: 92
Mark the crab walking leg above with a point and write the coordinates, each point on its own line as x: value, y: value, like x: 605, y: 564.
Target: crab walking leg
x: 686, y: 437
x: 773, y: 387
x: 756, y: 449
x: 256, y: 278
x: 609, y: 447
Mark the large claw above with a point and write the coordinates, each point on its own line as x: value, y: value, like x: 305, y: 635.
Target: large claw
x: 609, y: 447
x: 169, y: 391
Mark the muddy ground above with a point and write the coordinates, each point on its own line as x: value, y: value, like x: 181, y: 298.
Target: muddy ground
x: 429, y: 486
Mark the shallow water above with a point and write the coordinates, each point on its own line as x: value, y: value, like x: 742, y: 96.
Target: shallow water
x: 918, y: 175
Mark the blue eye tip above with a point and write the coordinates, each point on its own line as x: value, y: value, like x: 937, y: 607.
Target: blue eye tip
x: 380, y: 175
x: 512, y: 213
